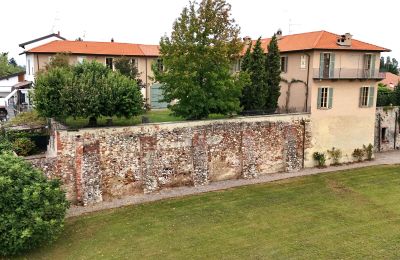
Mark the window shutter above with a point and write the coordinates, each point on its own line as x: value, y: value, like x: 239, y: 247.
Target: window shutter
x: 371, y: 98
x: 332, y: 66
x: 321, y: 65
x: 361, y: 97
x: 373, y: 58
x: 286, y: 63
x: 330, y: 97
x: 319, y: 98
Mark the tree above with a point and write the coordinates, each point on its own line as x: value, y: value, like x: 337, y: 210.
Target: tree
x: 396, y: 95
x: 8, y: 67
x: 129, y: 69
x: 273, y: 67
x: 60, y: 60
x: 197, y: 60
x: 255, y: 94
x: 32, y: 208
x: 390, y: 65
x: 87, y: 90
x: 385, y: 96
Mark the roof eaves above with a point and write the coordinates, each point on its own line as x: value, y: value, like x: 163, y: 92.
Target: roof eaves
x: 22, y: 45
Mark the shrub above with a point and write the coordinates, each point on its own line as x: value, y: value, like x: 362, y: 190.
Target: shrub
x: 30, y: 118
x: 320, y: 158
x: 335, y: 155
x: 24, y: 146
x: 359, y: 154
x: 369, y: 151
x: 32, y: 208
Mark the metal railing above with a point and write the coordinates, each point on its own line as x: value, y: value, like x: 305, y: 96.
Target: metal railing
x: 348, y: 74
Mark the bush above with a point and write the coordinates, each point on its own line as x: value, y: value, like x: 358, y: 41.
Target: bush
x: 369, y: 151
x: 358, y: 154
x: 31, y: 119
x: 335, y: 155
x: 24, y: 146
x: 32, y: 208
x: 320, y: 158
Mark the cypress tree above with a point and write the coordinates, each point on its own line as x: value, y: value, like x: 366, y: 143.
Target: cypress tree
x: 273, y: 70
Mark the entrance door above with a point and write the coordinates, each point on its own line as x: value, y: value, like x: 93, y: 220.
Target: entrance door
x: 156, y: 97
x: 327, y: 62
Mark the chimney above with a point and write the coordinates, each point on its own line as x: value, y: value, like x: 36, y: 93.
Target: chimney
x: 112, y: 39
x: 247, y: 40
x: 344, y: 40
x: 279, y: 34
x: 58, y: 33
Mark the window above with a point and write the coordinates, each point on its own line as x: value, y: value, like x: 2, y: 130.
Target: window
x: 367, y: 61
x: 80, y: 59
x: 160, y: 65
x: 303, y: 62
x: 367, y: 96
x: 28, y: 68
x: 284, y: 63
x: 110, y: 63
x: 325, y: 98
x: 134, y: 62
x: 327, y: 65
x: 236, y: 66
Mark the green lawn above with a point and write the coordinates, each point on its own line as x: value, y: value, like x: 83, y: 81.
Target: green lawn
x: 346, y: 215
x: 155, y: 116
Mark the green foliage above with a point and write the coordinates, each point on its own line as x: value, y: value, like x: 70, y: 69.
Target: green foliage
x: 386, y: 96
x: 87, y: 90
x: 125, y: 66
x: 359, y: 154
x: 5, y: 144
x: 335, y: 155
x: 24, y: 146
x: 32, y: 208
x: 369, y: 151
x: 320, y: 158
x: 60, y: 60
x: 389, y: 65
x: 31, y: 119
x: 273, y: 68
x: 255, y: 94
x: 8, y: 67
x: 396, y: 96
x: 197, y: 60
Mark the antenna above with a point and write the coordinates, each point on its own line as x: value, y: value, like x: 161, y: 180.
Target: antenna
x: 291, y: 25
x: 55, y: 22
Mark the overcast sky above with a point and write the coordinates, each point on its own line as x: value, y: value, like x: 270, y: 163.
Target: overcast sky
x: 145, y: 21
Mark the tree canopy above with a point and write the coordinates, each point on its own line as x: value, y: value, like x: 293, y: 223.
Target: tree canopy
x: 8, y: 66
x: 197, y: 60
x: 389, y: 65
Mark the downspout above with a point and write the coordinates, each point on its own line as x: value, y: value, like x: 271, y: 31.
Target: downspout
x: 308, y: 79
x: 147, y: 94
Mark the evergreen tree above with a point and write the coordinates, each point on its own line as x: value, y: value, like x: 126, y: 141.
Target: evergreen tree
x: 255, y: 94
x: 273, y: 68
x: 390, y: 65
x: 197, y: 60
x: 246, y: 58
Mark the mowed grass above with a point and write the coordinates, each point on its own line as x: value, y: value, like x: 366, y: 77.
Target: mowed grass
x: 154, y: 116
x: 347, y: 215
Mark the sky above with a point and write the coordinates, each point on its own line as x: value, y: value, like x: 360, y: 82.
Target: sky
x: 145, y: 21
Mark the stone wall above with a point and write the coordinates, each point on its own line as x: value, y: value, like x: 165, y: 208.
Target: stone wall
x: 104, y: 163
x: 389, y: 139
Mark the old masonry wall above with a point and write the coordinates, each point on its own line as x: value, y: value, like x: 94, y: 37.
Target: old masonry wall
x: 104, y: 163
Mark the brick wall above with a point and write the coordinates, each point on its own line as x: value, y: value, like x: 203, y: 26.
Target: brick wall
x: 104, y: 163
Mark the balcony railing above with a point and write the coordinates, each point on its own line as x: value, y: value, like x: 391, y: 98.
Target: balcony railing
x: 348, y: 74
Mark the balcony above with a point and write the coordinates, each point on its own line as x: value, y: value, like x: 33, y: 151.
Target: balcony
x: 351, y: 74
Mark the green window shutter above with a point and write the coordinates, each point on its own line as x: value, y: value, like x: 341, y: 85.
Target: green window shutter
x: 371, y: 98
x: 332, y: 66
x: 373, y: 58
x: 321, y: 65
x: 319, y: 98
x: 330, y: 97
x: 286, y: 64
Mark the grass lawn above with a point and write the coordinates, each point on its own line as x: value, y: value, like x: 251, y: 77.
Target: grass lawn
x: 346, y: 215
x: 155, y: 116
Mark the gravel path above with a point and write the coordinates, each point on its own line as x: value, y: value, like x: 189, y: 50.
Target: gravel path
x: 381, y: 159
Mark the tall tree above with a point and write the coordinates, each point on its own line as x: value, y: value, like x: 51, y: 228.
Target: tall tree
x: 273, y: 67
x: 255, y: 94
x: 197, y: 60
x: 8, y: 67
x: 390, y: 65
x: 128, y: 68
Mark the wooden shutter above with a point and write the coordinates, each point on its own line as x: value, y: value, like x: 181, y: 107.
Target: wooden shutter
x: 330, y: 97
x: 361, y: 97
x: 332, y: 66
x: 371, y: 96
x: 321, y: 65
x: 372, y: 71
x: 319, y: 98
x: 286, y: 62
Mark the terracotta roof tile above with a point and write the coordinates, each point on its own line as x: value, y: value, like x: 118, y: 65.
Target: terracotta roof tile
x: 97, y: 48
x: 391, y: 80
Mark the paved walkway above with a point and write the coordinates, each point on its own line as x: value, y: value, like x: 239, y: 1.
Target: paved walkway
x: 381, y: 159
